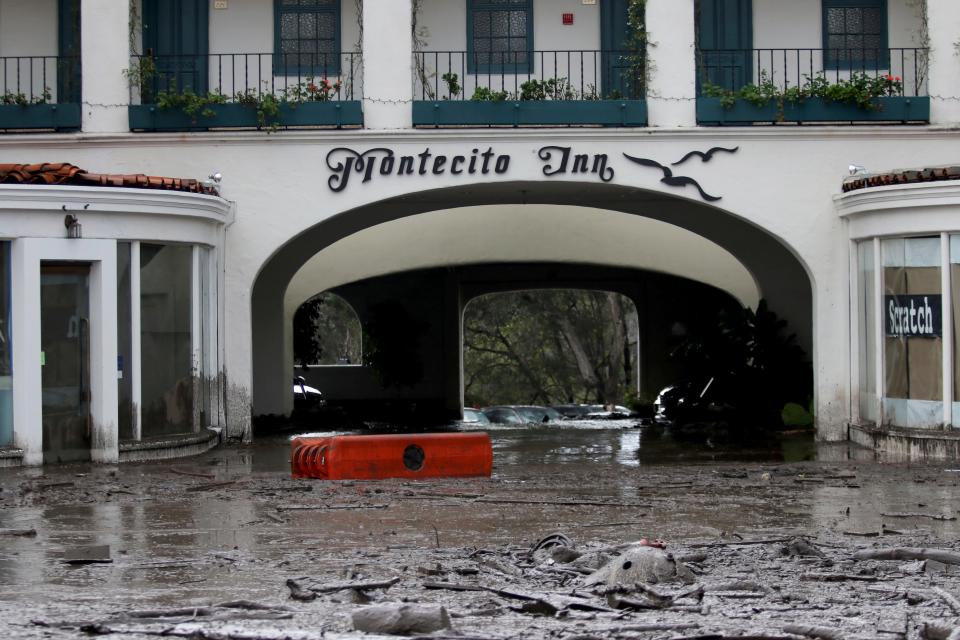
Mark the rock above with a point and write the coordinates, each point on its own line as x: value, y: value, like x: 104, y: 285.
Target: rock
x: 401, y: 619
x: 641, y: 564
x: 802, y: 548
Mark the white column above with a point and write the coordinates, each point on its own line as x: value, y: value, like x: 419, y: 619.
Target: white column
x: 25, y: 332
x: 196, y: 335
x: 946, y: 301
x: 136, y: 374
x: 943, y: 27
x: 671, y: 63
x: 105, y: 54
x: 104, y: 446
x: 857, y: 311
x: 878, y: 331
x: 388, y: 64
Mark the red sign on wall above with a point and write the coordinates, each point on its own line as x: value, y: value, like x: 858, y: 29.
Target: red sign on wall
x: 568, y: 18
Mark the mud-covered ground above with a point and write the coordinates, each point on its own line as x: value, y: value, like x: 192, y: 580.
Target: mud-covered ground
x: 232, y: 525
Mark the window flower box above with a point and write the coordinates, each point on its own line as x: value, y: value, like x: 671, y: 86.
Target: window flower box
x: 40, y: 116
x: 710, y: 111
x: 442, y: 113
x: 334, y: 113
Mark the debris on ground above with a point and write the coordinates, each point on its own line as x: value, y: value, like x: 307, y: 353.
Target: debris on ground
x: 540, y: 551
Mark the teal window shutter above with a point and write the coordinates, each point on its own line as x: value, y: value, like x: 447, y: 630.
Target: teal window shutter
x: 855, y: 35
x: 306, y: 38
x: 499, y: 36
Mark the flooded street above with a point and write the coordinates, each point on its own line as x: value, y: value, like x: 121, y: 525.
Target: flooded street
x: 232, y: 525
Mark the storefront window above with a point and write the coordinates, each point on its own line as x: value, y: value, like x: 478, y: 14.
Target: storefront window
x: 868, y: 333
x: 913, y: 332
x: 167, y: 388
x: 124, y: 346
x: 955, y: 298
x: 6, y: 373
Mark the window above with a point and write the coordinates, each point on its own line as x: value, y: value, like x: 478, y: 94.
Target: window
x: 499, y: 36
x: 307, y: 37
x: 855, y: 34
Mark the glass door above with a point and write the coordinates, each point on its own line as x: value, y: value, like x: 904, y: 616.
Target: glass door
x: 65, y: 361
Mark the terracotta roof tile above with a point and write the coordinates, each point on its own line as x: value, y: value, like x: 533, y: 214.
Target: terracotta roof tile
x: 902, y: 176
x: 68, y: 174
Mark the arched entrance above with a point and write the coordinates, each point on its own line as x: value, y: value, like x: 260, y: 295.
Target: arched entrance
x: 777, y: 272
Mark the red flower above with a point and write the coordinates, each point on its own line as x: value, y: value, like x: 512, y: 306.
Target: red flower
x: 897, y: 78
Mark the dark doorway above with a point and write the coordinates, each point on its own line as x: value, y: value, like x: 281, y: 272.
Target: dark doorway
x: 65, y: 361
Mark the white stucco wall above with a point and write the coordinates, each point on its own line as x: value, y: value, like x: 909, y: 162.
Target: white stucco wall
x: 28, y: 28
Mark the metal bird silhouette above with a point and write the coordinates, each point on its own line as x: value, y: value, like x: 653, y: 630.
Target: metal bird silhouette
x: 705, y: 156
x: 671, y: 180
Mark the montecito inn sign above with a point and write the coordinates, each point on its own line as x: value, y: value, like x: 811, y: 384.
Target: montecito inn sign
x: 381, y: 163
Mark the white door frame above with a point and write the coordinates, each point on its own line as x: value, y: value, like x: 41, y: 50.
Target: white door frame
x: 27, y: 254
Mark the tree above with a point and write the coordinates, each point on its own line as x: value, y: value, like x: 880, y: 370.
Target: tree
x: 549, y: 347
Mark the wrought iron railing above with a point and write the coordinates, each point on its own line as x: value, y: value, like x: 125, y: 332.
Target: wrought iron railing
x: 29, y: 80
x: 235, y: 77
x: 529, y: 75
x: 732, y: 69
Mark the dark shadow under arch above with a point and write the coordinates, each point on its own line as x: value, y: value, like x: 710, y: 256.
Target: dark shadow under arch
x: 780, y: 275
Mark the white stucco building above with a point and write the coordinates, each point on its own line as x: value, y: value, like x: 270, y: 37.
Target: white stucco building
x: 363, y: 138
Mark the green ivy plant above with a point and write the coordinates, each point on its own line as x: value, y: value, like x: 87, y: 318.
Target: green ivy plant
x: 860, y: 90
x: 636, y: 44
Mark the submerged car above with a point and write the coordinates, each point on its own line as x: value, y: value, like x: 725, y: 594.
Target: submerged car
x: 521, y: 414
x: 503, y: 415
x: 306, y: 397
x: 474, y: 416
x: 534, y: 413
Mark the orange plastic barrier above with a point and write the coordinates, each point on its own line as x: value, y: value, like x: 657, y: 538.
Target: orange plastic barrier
x: 434, y: 455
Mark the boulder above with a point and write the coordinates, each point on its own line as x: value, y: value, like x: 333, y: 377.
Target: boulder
x: 402, y: 619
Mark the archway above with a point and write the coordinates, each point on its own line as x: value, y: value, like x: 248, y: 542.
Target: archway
x: 777, y: 272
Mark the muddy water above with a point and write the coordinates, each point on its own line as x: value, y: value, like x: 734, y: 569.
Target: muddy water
x: 176, y: 539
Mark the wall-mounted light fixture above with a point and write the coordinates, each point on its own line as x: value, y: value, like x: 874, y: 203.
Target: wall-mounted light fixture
x: 74, y: 228
x: 213, y: 181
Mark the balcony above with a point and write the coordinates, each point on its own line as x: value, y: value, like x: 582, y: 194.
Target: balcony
x: 261, y: 91
x: 535, y: 88
x: 39, y: 93
x: 774, y: 86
